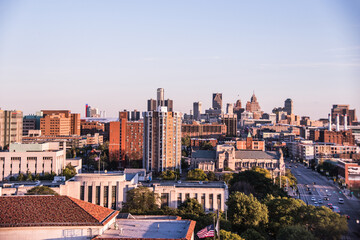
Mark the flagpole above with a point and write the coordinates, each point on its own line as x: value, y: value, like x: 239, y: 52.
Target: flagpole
x: 214, y: 227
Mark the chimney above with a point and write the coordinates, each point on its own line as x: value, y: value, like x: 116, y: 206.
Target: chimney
x: 345, y: 123
x: 329, y: 122
x: 337, y: 123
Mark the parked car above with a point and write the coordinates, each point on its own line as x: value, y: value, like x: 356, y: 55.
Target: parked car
x: 341, y: 200
x: 320, y: 200
x: 313, y: 199
x: 326, y: 198
x: 330, y: 205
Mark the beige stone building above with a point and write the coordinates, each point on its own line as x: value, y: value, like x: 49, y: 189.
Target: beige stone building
x: 104, y: 189
x: 211, y: 195
x: 36, y: 158
x: 11, y: 127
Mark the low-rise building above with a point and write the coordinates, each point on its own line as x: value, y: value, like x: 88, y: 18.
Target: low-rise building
x: 132, y: 227
x: 52, y: 217
x: 349, y: 171
x: 211, y: 195
x: 35, y: 158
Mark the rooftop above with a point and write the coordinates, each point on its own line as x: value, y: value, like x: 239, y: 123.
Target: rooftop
x: 204, y: 154
x: 190, y: 184
x: 249, y: 154
x: 30, y: 211
x: 150, y: 229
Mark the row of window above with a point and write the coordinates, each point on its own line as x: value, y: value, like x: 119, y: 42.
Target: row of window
x: 97, y: 195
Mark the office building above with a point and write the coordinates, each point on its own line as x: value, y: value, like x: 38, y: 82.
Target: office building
x: 162, y: 139
x: 60, y: 122
x: 197, y: 110
x: 217, y: 101
x: 288, y: 106
x: 31, y: 122
x: 11, y: 127
x: 160, y: 101
x: 126, y: 141
x: 230, y: 120
x: 205, y: 130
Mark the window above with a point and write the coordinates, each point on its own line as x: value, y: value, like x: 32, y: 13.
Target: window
x: 179, y: 199
x: 164, y: 200
x: 211, y: 202
x: 219, y: 201
x: 97, y: 196
x: 82, y: 192
x: 106, y: 195
x: 203, y: 200
x: 113, y: 197
x: 90, y: 194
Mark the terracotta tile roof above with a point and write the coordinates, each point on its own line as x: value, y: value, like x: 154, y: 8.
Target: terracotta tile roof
x: 22, y: 211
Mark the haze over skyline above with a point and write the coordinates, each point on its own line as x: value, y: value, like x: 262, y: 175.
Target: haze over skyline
x: 113, y: 55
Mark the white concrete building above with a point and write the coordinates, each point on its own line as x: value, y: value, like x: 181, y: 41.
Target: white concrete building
x: 211, y: 195
x: 104, y: 189
x: 36, y: 158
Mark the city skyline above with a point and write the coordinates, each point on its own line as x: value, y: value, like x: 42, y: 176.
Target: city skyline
x: 62, y: 55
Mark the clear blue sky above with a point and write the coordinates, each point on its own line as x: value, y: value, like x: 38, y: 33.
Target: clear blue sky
x: 114, y: 54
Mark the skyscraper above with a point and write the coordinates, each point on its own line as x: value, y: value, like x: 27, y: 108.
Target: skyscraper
x: 288, y: 106
x: 217, y: 101
x: 152, y: 104
x: 197, y: 110
x: 11, y: 127
x: 162, y: 139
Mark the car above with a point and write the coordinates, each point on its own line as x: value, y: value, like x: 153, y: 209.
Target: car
x: 330, y: 205
x: 299, y: 174
x: 320, y: 200
x: 347, y: 217
x: 326, y: 198
x: 336, y: 209
x: 310, y: 193
x: 313, y: 199
x: 341, y: 200
x: 329, y: 194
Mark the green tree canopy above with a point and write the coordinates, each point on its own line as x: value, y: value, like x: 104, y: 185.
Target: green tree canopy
x: 283, y: 211
x: 246, y: 211
x: 322, y: 222
x: 191, y: 207
x: 226, y: 235
x: 69, y: 171
x: 140, y: 200
x: 41, y: 190
x: 197, y: 175
x: 168, y: 175
x: 211, y: 176
x: 186, y: 141
x: 294, y: 232
x: 252, y: 234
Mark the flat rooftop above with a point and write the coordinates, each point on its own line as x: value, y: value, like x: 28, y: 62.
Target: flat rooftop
x: 149, y: 229
x: 188, y: 184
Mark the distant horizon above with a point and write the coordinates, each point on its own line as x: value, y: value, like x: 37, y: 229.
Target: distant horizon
x: 113, y: 55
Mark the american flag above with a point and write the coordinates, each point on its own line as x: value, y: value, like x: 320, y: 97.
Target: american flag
x: 208, y: 231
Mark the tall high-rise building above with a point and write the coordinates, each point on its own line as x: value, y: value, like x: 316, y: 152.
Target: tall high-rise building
x: 162, y: 140
x: 11, y: 127
x: 126, y: 141
x: 230, y: 120
x: 229, y: 108
x: 253, y: 105
x: 152, y: 104
x: 288, y: 106
x: 217, y: 101
x: 197, y: 110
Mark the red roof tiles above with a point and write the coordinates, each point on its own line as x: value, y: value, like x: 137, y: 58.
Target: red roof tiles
x: 20, y: 211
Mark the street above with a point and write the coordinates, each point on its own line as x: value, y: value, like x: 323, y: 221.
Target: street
x: 326, y: 188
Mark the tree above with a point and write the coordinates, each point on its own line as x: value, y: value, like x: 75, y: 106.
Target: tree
x: 226, y: 235
x: 29, y: 177
x: 227, y: 177
x: 211, y: 176
x: 191, y: 207
x: 69, y: 171
x: 186, y: 141
x: 294, y: 232
x: 41, y: 190
x: 322, y: 222
x: 170, y: 175
x: 196, y: 174
x: 252, y: 234
x: 283, y: 211
x: 140, y: 200
x: 20, y: 177
x: 206, y: 146
x: 246, y: 211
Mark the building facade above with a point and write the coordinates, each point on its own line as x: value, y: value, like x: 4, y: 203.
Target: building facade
x: 206, y: 130
x: 11, y: 127
x: 60, y: 123
x: 197, y: 111
x: 230, y: 120
x: 35, y: 158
